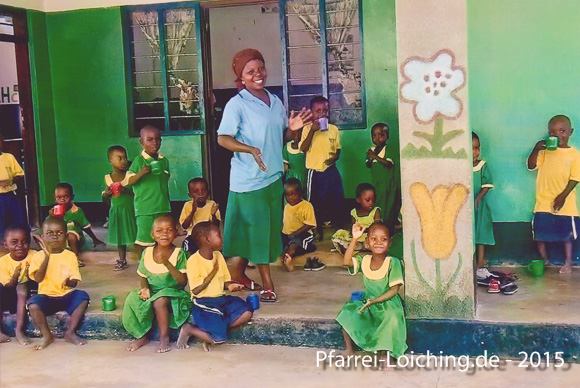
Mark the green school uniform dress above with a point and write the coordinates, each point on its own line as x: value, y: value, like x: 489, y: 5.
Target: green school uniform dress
x: 342, y: 237
x: 387, y: 196
x: 382, y: 326
x: 122, y: 226
x: 482, y: 219
x: 296, y: 164
x: 138, y: 314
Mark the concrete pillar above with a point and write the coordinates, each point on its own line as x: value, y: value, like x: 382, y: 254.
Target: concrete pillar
x: 436, y: 166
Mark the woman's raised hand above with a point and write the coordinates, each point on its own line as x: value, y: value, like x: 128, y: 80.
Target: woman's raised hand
x: 298, y: 120
x: 357, y: 231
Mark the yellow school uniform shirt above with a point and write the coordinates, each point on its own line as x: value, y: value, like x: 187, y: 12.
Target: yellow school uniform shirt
x: 197, y: 270
x: 297, y: 216
x: 555, y: 169
x: 324, y: 145
x: 61, y: 266
x: 201, y: 214
x: 9, y: 168
x: 8, y: 266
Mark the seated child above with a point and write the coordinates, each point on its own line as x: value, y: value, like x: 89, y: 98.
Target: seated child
x: 14, y: 282
x: 149, y: 175
x: 556, y: 212
x: 294, y: 159
x: 56, y: 270
x: 199, y: 209
x: 75, y: 220
x: 10, y: 174
x: 122, y: 229
x: 365, y: 214
x: 213, y: 311
x: 299, y: 221
x: 322, y: 148
x: 161, y: 295
x: 376, y: 322
x: 387, y: 194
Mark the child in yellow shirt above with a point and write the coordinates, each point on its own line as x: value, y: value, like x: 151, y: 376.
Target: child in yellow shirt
x: 199, y: 209
x: 57, y: 272
x: 213, y: 311
x: 10, y: 174
x: 14, y: 283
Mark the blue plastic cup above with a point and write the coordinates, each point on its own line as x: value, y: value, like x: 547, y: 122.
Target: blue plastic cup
x: 357, y: 295
x: 253, y: 300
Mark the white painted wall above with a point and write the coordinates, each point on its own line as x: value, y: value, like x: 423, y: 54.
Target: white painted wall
x: 8, y: 74
x: 235, y: 28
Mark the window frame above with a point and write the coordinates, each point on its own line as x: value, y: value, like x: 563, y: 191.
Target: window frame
x: 324, y: 49
x: 129, y: 53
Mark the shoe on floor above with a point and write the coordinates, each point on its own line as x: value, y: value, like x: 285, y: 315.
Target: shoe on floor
x: 484, y: 282
x: 483, y: 273
x: 317, y: 265
x: 308, y: 265
x: 510, y: 290
x: 494, y: 286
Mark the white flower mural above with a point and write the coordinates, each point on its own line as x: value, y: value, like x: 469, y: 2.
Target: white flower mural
x: 430, y: 85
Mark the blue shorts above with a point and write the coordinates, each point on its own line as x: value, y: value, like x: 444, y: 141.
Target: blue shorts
x: 552, y: 228
x: 305, y: 242
x: 9, y: 296
x: 214, y: 315
x: 53, y: 304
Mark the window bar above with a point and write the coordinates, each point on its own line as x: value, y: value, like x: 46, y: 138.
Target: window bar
x: 162, y: 53
x: 362, y: 64
x: 283, y: 32
x: 322, y: 26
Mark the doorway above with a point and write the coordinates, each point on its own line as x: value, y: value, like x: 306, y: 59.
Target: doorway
x: 229, y: 29
x: 16, y: 115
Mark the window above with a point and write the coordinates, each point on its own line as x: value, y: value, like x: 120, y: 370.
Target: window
x: 323, y: 56
x: 165, y: 69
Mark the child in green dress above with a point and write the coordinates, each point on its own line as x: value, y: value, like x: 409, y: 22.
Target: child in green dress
x: 122, y: 226
x: 294, y: 159
x: 162, y: 269
x: 365, y: 214
x: 482, y: 183
x: 375, y: 323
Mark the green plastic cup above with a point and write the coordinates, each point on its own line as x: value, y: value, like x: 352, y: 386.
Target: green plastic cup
x: 109, y: 303
x: 536, y: 267
x: 552, y: 143
x: 155, y: 167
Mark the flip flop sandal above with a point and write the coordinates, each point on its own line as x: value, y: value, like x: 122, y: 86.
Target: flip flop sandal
x: 250, y: 285
x: 268, y: 296
x: 81, y: 263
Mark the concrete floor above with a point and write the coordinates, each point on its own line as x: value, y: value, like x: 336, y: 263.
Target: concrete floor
x: 108, y: 364
x: 550, y: 299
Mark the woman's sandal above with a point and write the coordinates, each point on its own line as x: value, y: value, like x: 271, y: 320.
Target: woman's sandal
x: 120, y: 265
x: 268, y: 296
x: 250, y: 285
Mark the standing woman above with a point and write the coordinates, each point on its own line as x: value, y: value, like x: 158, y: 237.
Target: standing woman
x: 252, y: 127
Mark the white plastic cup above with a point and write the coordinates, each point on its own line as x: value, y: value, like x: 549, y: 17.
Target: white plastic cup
x: 323, y: 123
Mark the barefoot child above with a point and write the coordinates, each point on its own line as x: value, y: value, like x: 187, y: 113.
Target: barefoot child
x: 199, y: 209
x: 556, y: 213
x: 161, y: 295
x: 482, y: 183
x: 75, y: 220
x: 364, y: 214
x: 213, y: 311
x: 299, y: 221
x: 383, y: 175
x: 57, y: 272
x: 376, y: 322
x: 294, y: 159
x: 14, y: 282
x: 122, y: 228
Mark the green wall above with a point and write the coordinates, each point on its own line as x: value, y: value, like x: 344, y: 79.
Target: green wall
x: 87, y: 70
x: 523, y: 69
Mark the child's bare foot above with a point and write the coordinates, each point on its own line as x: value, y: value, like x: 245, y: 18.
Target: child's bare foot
x: 207, y: 346
x: 287, y: 260
x: 74, y: 339
x: 566, y: 268
x: 547, y: 263
x: 22, y: 338
x: 44, y: 342
x: 164, y: 345
x: 183, y: 339
x: 138, y: 343
x: 4, y: 338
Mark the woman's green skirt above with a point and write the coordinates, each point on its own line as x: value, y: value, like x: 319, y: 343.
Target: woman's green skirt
x: 253, y: 224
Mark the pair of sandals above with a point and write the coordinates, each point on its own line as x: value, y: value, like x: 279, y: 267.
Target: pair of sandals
x: 266, y: 296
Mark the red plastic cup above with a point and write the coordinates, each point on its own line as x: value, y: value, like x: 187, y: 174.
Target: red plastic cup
x: 117, y: 189
x: 59, y: 211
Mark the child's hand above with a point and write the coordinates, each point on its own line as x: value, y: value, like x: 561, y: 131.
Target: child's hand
x: 357, y: 231
x: 145, y: 170
x: 233, y: 287
x: 368, y: 304
x: 144, y: 293
x: 297, y: 120
x: 17, y: 271
x: 65, y: 284
x: 559, y: 202
x: 315, y: 126
x: 108, y: 192
x: 371, y: 155
x: 41, y: 244
x: 477, y: 202
x: 215, y: 207
x: 5, y: 183
x: 257, y: 154
x: 541, y: 145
